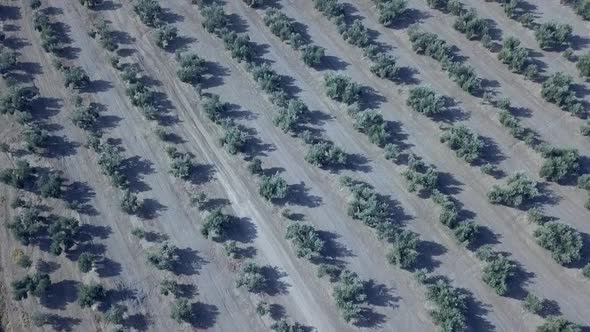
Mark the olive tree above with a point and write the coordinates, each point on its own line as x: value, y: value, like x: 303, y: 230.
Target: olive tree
x: 385, y: 66
x: 149, y: 12
x: 450, y: 312
x: 306, y: 240
x: 273, y: 187
x: 403, y: 251
x: 470, y: 24
x: 8, y: 60
x: 164, y: 257
x: 191, y: 68
x: 519, y: 188
x: 559, y: 163
x: 425, y: 100
x: 26, y: 226
x: 553, y: 35
x: 341, y: 88
x: 76, y: 78
x: 165, y: 34
x: 312, y: 55
x: 466, y: 144
x: 564, y: 242
x: 36, y: 285
x: 217, y: 225
x: 391, y: 10
x: 283, y: 27
x: 558, y: 324
x: 350, y: 295
x: 89, y: 294
x: 325, y: 154
x: 251, y: 277
x: 181, y: 311
x: 63, y: 233
x: 515, y: 56
x: 583, y: 65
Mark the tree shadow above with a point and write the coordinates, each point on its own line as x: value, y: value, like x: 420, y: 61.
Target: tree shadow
x: 237, y: 23
x: 139, y: 321
x: 380, y: 295
x: 214, y: 203
x: 179, y: 43
x: 330, y: 62
x: 409, y: 17
x: 59, y: 146
x: 427, y: 251
x: 48, y: 267
x: 202, y: 174
x: 97, y: 86
x: 477, y: 313
x: 215, y: 73
x: 108, y: 268
x: 9, y: 13
x: 89, y: 231
x: 243, y: 230
x: 135, y: 168
x: 189, y: 262
x: 298, y: 194
x: 105, y: 5
x: 62, y: 323
x: 204, y: 315
x: 371, y: 98
x: 332, y: 248
x: 151, y: 208
x: 369, y: 318
x: 60, y: 294
x: 277, y: 311
x: 274, y: 285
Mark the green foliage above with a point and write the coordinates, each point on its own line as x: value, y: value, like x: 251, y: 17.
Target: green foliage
x: 385, y: 66
x: 106, y: 36
x: 403, y: 251
x: 312, y: 55
x: 50, y: 40
x: 437, y: 4
x: 255, y: 166
x: 76, y: 77
x: 214, y: 18
x: 164, y: 258
x: 583, y: 64
x: 149, y: 11
x: 115, y: 314
x: 427, y: 180
x: 50, y: 185
x: 470, y: 24
x: 466, y: 232
x: 217, y: 225
x: 355, y: 34
x: 26, y: 226
x: 558, y: 89
x: 519, y: 188
x: 325, y: 154
x: 564, y: 242
x: 234, y: 138
x: 424, y: 99
x: 169, y: 286
x: 553, y: 35
x: 273, y: 187
x: 283, y: 326
x: 558, y: 324
x: 329, y: 270
x: 341, y: 88
x: 464, y: 76
x: 239, y: 45
x: 181, y: 311
x: 586, y: 271
x: 372, y: 124
x: 254, y: 3
x: 268, y: 80
x: 181, y: 164
x: 533, y: 304
x: 36, y: 285
x: 86, y: 262
x: 515, y: 56
x: 366, y: 205
x: 165, y: 34
x: 497, y: 273
x: 283, y: 27
x: 191, y: 68
x: 7, y: 60
x: 251, y: 276
x: 63, y: 233
x: 512, y: 123
x: 88, y: 295
x: 584, y: 182
x: 35, y: 4
x: 306, y: 240
x: 350, y: 294
x: 391, y: 10
x: 110, y: 160
x: 466, y: 144
x: 84, y: 116
x: 450, y: 306
x: 559, y: 164
x: 330, y: 8
x: 214, y: 108
x: 18, y: 177
x: 429, y: 44
x: 90, y: 3
x: 130, y: 204
x: 34, y: 137
x: 288, y: 117
x: 18, y: 99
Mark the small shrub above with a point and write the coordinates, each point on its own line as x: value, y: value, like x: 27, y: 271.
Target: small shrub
x: 191, y: 68
x: 350, y: 294
x: 385, y: 66
x: 583, y: 65
x: 181, y: 311
x: 283, y: 27
x: 553, y: 35
x: 164, y: 258
x: 466, y: 144
x: 325, y: 154
x: 130, y: 204
x: 214, y: 108
x: 471, y: 25
x: 533, y: 304
x: 169, y: 286
x: 234, y: 138
x: 76, y: 78
x: 36, y: 285
x: 165, y: 34
x: 558, y: 324
x: 217, y: 225
x: 86, y: 262
x: 149, y: 11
